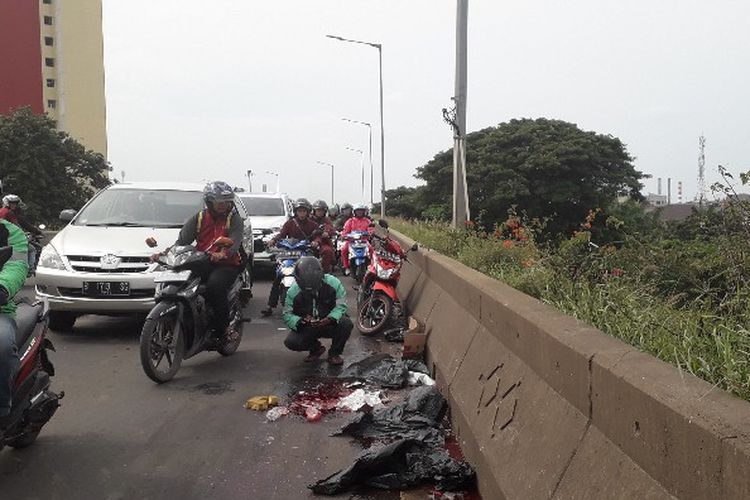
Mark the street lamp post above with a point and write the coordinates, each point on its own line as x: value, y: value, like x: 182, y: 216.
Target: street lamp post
x: 369, y: 148
x: 361, y: 165
x: 329, y: 165
x: 382, y: 130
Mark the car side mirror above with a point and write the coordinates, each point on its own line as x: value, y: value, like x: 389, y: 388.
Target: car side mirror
x: 414, y: 247
x: 151, y: 242
x: 67, y: 215
x: 383, y: 223
x: 224, y: 242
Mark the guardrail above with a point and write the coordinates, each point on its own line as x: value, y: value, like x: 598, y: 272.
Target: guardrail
x: 548, y: 407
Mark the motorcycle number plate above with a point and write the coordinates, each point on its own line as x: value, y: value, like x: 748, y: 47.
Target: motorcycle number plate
x: 106, y: 288
x: 171, y: 276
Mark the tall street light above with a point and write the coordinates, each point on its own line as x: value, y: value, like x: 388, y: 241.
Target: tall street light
x: 328, y: 165
x: 382, y: 132
x: 369, y: 127
x: 278, y: 184
x: 361, y: 165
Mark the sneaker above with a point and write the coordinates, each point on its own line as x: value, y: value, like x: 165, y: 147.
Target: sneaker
x: 347, y: 272
x: 315, y: 353
x: 267, y: 311
x: 335, y: 360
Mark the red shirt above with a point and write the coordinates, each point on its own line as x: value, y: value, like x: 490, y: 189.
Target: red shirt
x: 9, y: 215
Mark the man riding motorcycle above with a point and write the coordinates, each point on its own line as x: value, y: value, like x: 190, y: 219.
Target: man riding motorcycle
x: 316, y: 308
x: 219, y: 218
x: 12, y: 277
x: 11, y: 211
x: 359, y: 222
x: 300, y: 227
x: 323, y: 240
x: 345, y: 213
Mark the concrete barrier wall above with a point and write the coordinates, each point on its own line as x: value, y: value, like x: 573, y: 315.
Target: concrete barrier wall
x: 547, y: 407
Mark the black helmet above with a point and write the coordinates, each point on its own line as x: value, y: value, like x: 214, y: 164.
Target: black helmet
x: 346, y: 206
x: 320, y: 204
x: 309, y: 274
x: 216, y: 192
x: 301, y: 203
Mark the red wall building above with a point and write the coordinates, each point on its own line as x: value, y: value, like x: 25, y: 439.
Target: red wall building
x: 20, y: 56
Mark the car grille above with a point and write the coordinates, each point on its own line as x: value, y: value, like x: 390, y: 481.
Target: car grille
x: 92, y: 264
x: 137, y: 293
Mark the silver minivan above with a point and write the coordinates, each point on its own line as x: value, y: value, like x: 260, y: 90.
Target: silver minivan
x: 99, y: 263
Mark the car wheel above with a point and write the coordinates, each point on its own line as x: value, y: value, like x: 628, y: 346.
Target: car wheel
x: 61, y: 321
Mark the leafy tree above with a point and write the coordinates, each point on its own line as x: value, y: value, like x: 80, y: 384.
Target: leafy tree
x: 47, y: 168
x: 546, y: 168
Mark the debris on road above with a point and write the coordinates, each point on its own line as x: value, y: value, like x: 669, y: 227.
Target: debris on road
x: 261, y: 403
x: 359, y: 399
x: 416, y: 378
x: 399, y: 465
x: 276, y: 412
x: 313, y: 414
x: 381, y: 369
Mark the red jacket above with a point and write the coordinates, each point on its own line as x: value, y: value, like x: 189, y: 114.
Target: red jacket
x: 9, y: 215
x: 295, y: 228
x: 355, y: 224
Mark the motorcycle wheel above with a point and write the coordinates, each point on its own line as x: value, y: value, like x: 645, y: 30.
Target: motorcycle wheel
x: 359, y: 273
x: 162, y: 345
x: 373, y: 314
x: 24, y: 440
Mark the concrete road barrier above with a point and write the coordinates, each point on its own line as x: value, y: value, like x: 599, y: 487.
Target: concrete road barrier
x: 548, y: 407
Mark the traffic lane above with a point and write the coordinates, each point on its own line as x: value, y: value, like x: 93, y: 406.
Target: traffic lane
x: 118, y: 435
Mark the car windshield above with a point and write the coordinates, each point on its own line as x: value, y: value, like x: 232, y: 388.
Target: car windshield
x: 263, y: 206
x: 141, y: 208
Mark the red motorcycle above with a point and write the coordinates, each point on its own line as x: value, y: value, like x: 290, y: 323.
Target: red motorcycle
x: 377, y: 302
x: 33, y: 401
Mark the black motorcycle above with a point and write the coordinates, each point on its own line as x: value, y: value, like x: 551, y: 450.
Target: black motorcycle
x: 178, y: 327
x: 33, y: 401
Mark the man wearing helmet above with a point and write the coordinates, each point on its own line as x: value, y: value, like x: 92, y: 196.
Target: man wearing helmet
x: 300, y: 227
x: 219, y: 218
x: 359, y: 222
x: 323, y: 241
x: 316, y: 308
x: 345, y: 213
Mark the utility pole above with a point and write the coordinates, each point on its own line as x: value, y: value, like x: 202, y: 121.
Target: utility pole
x: 701, y: 169
x: 250, y: 180
x: 460, y: 191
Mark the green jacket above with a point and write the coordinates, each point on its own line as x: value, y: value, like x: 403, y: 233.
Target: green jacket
x: 330, y: 302
x: 13, y: 273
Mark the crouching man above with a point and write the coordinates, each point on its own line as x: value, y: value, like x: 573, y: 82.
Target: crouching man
x: 316, y: 308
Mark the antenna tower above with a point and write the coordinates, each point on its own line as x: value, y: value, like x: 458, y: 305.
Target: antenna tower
x: 701, y: 169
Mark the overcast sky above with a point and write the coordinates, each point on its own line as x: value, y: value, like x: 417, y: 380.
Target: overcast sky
x: 202, y: 89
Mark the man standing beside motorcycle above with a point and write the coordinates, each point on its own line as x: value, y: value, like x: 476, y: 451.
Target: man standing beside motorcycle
x: 12, y: 277
x: 323, y: 235
x: 11, y: 211
x: 219, y: 218
x: 316, y: 308
x: 360, y: 222
x: 300, y: 227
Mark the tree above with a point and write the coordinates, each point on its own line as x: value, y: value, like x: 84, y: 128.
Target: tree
x: 47, y: 168
x: 546, y: 168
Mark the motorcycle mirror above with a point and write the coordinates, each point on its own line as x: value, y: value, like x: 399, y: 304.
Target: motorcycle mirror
x: 414, y: 247
x: 151, y: 242
x: 224, y: 242
x: 5, y: 255
x: 383, y: 223
x: 42, y: 227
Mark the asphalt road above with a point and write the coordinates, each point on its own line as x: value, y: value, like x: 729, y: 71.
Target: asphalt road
x: 120, y: 436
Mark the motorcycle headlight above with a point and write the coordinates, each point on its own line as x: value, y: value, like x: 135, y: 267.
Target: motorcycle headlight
x: 384, y: 273
x: 288, y: 271
x: 50, y: 259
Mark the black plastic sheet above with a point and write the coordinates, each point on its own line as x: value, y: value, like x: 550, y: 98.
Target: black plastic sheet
x: 380, y: 369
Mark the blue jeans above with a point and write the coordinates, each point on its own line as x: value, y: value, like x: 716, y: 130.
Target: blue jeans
x: 8, y: 361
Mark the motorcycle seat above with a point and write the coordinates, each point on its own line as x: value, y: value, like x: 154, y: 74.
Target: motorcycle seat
x: 27, y: 316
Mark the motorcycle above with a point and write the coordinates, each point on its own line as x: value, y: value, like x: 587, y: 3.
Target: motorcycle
x: 178, y: 327
x: 288, y: 251
x: 34, y: 403
x: 377, y: 302
x: 359, y: 253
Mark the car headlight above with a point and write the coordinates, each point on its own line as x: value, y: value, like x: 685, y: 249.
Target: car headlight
x: 50, y: 259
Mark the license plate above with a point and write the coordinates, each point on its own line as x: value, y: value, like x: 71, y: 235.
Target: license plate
x: 106, y: 288
x: 171, y: 276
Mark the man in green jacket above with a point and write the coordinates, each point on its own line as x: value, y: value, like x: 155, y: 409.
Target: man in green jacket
x: 12, y: 276
x: 316, y: 308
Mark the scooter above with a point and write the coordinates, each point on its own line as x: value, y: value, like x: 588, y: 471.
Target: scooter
x: 34, y: 403
x: 359, y: 253
x: 377, y: 302
x: 178, y: 327
x: 288, y: 251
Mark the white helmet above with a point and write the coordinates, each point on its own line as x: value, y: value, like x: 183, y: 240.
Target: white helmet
x: 12, y: 198
x: 361, y: 206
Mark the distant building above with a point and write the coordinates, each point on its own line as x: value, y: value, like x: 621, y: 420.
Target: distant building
x: 52, y: 59
x: 656, y: 200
